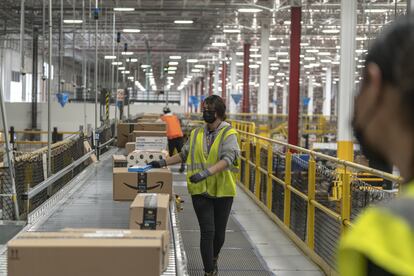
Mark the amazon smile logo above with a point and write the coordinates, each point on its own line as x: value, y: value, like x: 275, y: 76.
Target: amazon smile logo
x: 159, y: 184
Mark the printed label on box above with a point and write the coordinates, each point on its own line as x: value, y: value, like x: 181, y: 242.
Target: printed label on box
x: 151, y: 143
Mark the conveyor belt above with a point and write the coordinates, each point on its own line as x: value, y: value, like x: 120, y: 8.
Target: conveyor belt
x: 88, y: 204
x: 238, y: 256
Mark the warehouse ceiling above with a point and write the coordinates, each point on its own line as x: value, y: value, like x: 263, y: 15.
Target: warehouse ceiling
x: 159, y: 37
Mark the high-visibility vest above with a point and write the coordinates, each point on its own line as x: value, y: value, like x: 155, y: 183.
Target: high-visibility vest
x: 384, y: 235
x: 173, y: 126
x: 222, y: 184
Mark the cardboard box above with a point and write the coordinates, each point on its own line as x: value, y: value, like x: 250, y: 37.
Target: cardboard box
x: 150, y: 212
x: 124, y: 129
x: 164, y: 235
x: 119, y: 161
x: 126, y: 185
x: 86, y: 254
x: 141, y: 133
x: 156, y: 126
x: 130, y: 147
x: 152, y: 143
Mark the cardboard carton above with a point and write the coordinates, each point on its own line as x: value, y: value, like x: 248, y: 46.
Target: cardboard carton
x: 126, y: 185
x: 130, y: 147
x: 155, y: 126
x: 86, y: 254
x: 150, y: 212
x: 119, y: 161
x: 124, y: 129
x: 141, y: 133
x: 164, y: 235
x: 143, y: 157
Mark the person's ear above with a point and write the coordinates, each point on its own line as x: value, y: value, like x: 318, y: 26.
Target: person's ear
x: 374, y: 80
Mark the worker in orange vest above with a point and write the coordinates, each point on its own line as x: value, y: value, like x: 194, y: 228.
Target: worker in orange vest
x: 174, y: 133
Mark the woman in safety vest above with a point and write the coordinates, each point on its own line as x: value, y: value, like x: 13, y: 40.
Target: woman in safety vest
x: 381, y: 242
x: 212, y: 156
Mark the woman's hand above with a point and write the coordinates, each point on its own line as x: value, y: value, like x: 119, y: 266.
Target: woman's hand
x: 195, y: 178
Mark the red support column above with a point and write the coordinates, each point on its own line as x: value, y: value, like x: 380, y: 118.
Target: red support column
x: 293, y: 117
x: 224, y: 82
x: 210, y: 82
x: 246, y: 78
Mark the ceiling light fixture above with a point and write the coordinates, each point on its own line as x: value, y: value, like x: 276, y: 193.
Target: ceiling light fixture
x: 219, y: 44
x: 110, y: 57
x: 324, y: 54
x: 173, y: 63
x: 192, y: 60
x: 254, y: 66
x: 172, y: 68
x: 131, y: 30
x: 117, y: 63
x: 73, y: 21
x: 132, y: 60
x: 231, y: 31
x: 200, y: 66
x: 282, y: 53
x: 175, y: 57
x: 121, y: 68
x: 183, y: 21
x: 312, y: 51
x: 239, y: 54
x: 124, y: 9
x: 272, y: 58
x: 331, y: 31
x: 145, y: 66
x: 127, y: 53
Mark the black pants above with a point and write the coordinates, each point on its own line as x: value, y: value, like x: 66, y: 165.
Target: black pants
x: 212, y: 215
x: 176, y: 143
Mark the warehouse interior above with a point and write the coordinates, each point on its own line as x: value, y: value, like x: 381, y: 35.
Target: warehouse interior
x: 83, y: 84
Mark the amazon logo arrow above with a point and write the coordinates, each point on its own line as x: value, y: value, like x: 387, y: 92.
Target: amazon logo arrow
x: 159, y: 184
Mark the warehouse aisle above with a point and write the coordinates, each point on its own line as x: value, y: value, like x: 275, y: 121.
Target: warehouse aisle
x: 254, y: 244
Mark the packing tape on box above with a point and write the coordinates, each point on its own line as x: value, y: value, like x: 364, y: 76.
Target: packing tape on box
x: 149, y: 217
x: 142, y: 157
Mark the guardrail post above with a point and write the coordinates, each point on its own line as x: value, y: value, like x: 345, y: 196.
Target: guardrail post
x: 12, y: 133
x: 346, y: 198
x: 269, y: 189
x: 288, y: 179
x: 247, y: 165
x: 311, y: 207
x: 257, y: 186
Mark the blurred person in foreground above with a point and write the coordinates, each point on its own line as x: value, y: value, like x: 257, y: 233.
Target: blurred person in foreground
x: 212, y: 155
x: 381, y: 242
x: 174, y: 133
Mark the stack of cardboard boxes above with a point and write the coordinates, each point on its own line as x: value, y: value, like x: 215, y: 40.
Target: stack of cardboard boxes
x: 141, y: 250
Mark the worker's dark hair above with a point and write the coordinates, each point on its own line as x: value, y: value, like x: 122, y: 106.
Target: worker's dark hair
x: 393, y: 52
x: 216, y: 103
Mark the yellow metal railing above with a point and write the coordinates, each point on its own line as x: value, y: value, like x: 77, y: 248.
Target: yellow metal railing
x: 260, y: 182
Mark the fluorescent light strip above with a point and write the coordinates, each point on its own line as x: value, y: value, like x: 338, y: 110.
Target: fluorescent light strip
x: 249, y: 10
x: 110, y: 57
x: 73, y: 21
x: 127, y: 53
x: 183, y: 21
x: 175, y: 57
x: 200, y: 66
x: 173, y: 63
x: 124, y: 9
x: 219, y: 44
x: 192, y: 60
x: 231, y: 31
x: 131, y: 30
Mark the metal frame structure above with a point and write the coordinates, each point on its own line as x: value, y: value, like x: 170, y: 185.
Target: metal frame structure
x: 248, y: 138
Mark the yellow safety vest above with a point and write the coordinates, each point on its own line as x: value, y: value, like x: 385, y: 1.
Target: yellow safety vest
x: 222, y: 184
x: 384, y: 235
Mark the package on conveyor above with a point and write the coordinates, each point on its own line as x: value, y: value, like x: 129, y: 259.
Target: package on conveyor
x: 141, y: 134
x: 150, y: 126
x: 126, y: 185
x: 119, y: 161
x: 130, y: 147
x: 89, y: 253
x: 150, y: 116
x: 123, y: 131
x: 143, y: 157
x: 150, y: 212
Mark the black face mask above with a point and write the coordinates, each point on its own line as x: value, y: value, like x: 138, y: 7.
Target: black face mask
x: 370, y: 153
x: 209, y: 116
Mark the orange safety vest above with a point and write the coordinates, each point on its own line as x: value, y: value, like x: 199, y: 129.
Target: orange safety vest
x: 173, y: 126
